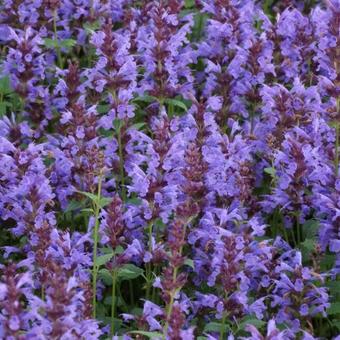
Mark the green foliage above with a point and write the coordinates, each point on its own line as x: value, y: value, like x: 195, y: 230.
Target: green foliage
x: 8, y: 99
x: 65, y: 43
x: 129, y: 272
x: 103, y: 259
x: 149, y: 335
x: 270, y: 171
x: 250, y: 320
x: 216, y: 327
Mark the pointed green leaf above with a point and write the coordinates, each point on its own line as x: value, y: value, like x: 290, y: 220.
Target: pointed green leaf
x: 104, y: 201
x: 106, y: 276
x: 177, y: 103
x: 146, y: 99
x: 129, y: 272
x: 215, y: 327
x: 334, y: 308
x: 103, y: 259
x: 137, y: 126
x: 88, y: 210
x: 118, y: 124
x: 5, y: 86
x: 134, y: 201
x: 150, y: 335
x: 51, y: 43
x: 310, y: 228
x: 68, y: 43
x: 73, y: 205
x: 249, y: 320
x: 190, y: 263
x: 270, y: 171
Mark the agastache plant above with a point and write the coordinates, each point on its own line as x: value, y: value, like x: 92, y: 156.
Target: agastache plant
x: 169, y: 169
x: 26, y: 65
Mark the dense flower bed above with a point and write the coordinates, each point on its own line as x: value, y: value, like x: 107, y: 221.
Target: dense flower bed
x: 169, y: 169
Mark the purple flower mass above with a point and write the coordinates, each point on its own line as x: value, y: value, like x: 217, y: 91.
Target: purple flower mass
x: 169, y: 169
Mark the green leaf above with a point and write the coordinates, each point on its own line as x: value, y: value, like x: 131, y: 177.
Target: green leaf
x: 68, y: 43
x: 73, y: 205
x: 106, y: 276
x: 150, y: 335
x: 118, y: 124
x: 177, y: 103
x: 200, y: 20
x: 327, y: 262
x: 3, y: 109
x: 91, y: 27
x: 134, y: 201
x: 119, y: 250
x: 334, y: 308
x: 89, y: 210
x: 101, y: 260
x: 190, y: 263
x: 215, y: 327
x: 129, y: 272
x: 137, y: 126
x: 336, y: 324
x: 91, y: 196
x: 159, y: 224
x: 307, y: 246
x: 146, y: 99
x: 334, y: 287
x: 5, y: 86
x: 270, y: 171
x: 104, y: 201
x: 189, y: 3
x: 103, y: 108
x: 310, y: 228
x: 249, y: 320
x: 51, y: 43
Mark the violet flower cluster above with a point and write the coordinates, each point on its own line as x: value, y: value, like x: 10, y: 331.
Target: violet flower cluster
x: 169, y: 169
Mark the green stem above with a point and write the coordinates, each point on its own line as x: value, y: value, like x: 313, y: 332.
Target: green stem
x: 285, y: 234
x: 199, y: 27
x: 223, y: 326
x: 293, y: 236
x: 171, y: 110
x: 60, y: 61
x: 113, y: 301
x: 95, y: 244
